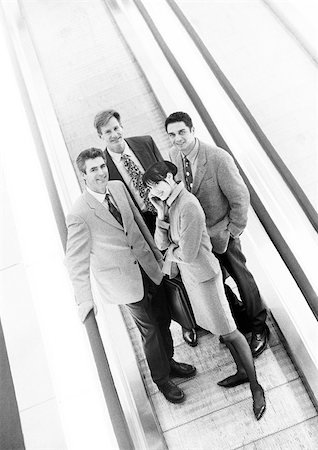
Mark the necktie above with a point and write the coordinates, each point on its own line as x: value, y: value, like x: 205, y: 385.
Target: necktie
x: 136, y: 176
x: 113, y: 210
x: 188, y: 174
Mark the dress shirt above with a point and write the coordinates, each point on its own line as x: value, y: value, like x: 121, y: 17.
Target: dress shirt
x: 193, y: 157
x: 116, y: 157
x: 101, y: 198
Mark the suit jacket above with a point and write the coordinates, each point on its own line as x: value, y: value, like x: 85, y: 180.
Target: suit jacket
x: 186, y: 238
x: 144, y: 149
x: 221, y: 191
x: 97, y: 242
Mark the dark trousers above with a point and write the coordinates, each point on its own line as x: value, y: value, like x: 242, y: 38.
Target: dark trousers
x: 152, y: 317
x: 234, y: 262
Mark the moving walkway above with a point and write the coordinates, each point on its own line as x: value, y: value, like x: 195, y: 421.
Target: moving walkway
x: 123, y: 55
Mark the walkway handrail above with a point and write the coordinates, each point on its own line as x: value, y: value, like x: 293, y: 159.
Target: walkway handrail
x: 267, y: 146
x: 261, y: 212
x: 116, y: 413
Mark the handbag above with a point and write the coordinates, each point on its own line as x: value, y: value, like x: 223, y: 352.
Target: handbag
x: 179, y: 303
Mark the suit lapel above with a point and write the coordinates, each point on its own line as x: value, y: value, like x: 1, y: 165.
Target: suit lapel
x: 100, y: 210
x: 179, y: 164
x: 200, y: 169
x: 112, y: 169
x: 140, y: 150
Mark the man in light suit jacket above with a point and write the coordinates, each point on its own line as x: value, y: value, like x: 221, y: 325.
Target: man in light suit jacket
x: 108, y: 237
x: 142, y: 153
x: 210, y: 173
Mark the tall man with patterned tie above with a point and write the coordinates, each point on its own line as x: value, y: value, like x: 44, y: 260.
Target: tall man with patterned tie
x: 210, y: 173
x: 127, y: 159
x: 106, y: 234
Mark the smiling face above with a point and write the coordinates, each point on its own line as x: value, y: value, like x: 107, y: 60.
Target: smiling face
x: 181, y: 136
x: 112, y: 134
x: 96, y: 176
x: 163, y: 188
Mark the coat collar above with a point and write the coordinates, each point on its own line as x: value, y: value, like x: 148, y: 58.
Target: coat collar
x: 100, y: 210
x: 200, y: 170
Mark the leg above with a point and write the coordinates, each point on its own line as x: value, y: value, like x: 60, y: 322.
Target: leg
x: 242, y: 356
x: 234, y: 262
x: 160, y: 308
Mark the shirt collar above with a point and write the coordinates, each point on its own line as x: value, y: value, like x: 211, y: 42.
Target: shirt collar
x: 174, y: 194
x: 193, y: 154
x: 117, y: 156
x: 99, y: 197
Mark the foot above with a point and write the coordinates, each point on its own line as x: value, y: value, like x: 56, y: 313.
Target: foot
x: 190, y: 336
x: 172, y: 392
x: 181, y: 370
x: 234, y: 380
x: 259, y: 342
x: 259, y: 402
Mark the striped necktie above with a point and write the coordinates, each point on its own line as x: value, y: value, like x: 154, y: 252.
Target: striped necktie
x: 113, y: 210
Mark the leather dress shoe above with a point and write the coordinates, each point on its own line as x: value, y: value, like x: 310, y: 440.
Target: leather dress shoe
x: 172, y: 392
x: 233, y: 381
x: 181, y: 370
x: 259, y: 342
x: 190, y: 336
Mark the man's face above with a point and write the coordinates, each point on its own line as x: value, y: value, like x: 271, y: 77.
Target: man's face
x: 181, y: 136
x: 112, y: 134
x: 96, y: 176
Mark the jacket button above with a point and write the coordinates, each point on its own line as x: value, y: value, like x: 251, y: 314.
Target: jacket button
x: 126, y: 233
x: 131, y: 247
x: 135, y: 262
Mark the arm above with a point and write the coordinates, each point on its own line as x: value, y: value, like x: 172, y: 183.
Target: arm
x: 236, y: 192
x: 78, y: 263
x: 143, y: 227
x: 192, y: 224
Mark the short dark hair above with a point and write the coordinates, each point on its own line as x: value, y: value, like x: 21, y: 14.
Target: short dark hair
x: 158, y: 172
x: 103, y: 117
x: 89, y: 153
x: 179, y: 116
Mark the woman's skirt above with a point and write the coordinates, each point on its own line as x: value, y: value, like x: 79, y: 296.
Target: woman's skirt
x: 209, y: 303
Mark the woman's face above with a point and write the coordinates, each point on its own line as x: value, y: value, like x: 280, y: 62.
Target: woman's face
x: 163, y: 188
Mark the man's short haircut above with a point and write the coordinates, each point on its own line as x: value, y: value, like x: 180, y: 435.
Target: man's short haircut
x: 158, y: 172
x: 103, y: 117
x: 179, y: 116
x: 89, y: 153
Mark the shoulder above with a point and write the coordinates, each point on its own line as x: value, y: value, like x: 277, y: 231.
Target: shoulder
x: 140, y: 139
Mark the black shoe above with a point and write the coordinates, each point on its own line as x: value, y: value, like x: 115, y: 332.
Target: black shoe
x: 181, y: 370
x: 260, y: 406
x: 172, y: 392
x: 190, y: 336
x: 259, y: 342
x: 233, y: 380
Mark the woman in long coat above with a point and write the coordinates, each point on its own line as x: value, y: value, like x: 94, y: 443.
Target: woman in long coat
x: 181, y: 231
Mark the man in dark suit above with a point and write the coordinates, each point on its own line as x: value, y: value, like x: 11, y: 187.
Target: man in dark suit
x: 126, y: 160
x: 107, y: 235
x: 209, y: 172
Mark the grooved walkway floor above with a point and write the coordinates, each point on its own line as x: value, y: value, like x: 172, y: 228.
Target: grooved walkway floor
x: 221, y: 419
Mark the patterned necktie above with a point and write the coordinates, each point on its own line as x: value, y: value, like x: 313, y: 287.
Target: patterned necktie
x: 188, y: 174
x: 113, y: 210
x: 136, y: 176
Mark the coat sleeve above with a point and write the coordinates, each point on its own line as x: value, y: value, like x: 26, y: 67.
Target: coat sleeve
x: 191, y: 224
x: 236, y: 192
x: 77, y: 262
x: 161, y: 234
x: 143, y: 227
